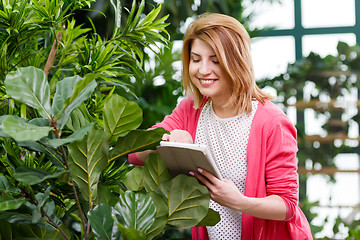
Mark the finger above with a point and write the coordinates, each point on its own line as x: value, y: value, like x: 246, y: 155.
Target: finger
x: 208, y: 175
x: 165, y: 137
x: 201, y: 178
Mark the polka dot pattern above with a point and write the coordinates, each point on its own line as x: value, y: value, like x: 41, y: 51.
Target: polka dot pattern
x: 227, y: 141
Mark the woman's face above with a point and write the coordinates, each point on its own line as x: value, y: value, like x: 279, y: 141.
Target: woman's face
x: 206, y: 74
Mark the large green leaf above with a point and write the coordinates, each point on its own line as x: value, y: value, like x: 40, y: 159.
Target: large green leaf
x: 130, y: 233
x: 105, y: 195
x: 136, y: 141
x: 134, y: 179
x: 21, y: 131
x: 120, y: 117
x: 70, y: 93
x: 7, y: 203
x: 30, y: 86
x: 64, y: 90
x: 137, y: 209
x: 79, y: 118
x: 188, y: 201
x: 31, y: 176
x: 211, y: 219
x: 87, y: 158
x: 101, y: 221
x: 155, y: 172
x: 161, y: 218
x: 76, y: 136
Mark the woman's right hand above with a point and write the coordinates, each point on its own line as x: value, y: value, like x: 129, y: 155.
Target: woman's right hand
x: 178, y: 136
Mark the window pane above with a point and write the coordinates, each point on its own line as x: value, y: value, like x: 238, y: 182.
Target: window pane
x: 271, y: 55
x: 325, y: 44
x: 328, y: 13
x: 278, y: 15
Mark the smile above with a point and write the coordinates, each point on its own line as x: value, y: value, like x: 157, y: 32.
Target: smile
x: 207, y: 81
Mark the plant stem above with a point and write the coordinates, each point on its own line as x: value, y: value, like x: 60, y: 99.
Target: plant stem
x: 88, y: 225
x: 54, y: 223
x: 53, y: 51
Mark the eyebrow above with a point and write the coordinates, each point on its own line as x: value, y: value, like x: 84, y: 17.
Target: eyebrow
x: 192, y: 53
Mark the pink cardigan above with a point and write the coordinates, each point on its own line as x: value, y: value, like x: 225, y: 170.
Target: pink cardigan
x: 272, y: 169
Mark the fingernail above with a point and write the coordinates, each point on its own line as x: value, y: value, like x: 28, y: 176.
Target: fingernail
x: 191, y: 173
x: 200, y: 170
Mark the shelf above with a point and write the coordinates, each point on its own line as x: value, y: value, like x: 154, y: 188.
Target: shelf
x: 315, y: 104
x: 325, y: 170
x: 330, y: 138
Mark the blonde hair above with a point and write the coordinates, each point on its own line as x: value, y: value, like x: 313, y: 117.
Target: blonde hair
x: 231, y: 44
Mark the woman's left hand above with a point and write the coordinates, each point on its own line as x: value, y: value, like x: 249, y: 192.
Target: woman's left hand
x: 224, y: 192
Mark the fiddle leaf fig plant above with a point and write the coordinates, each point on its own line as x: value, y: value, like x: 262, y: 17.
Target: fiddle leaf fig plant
x: 65, y: 132
x: 88, y: 157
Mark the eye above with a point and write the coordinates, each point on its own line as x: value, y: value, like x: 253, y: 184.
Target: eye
x: 195, y: 60
x: 216, y: 62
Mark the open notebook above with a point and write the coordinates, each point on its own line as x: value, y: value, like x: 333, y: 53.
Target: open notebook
x: 181, y: 158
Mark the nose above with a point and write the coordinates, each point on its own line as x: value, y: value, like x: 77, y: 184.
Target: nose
x: 205, y: 68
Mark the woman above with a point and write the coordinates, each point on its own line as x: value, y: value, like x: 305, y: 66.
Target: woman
x: 252, y: 140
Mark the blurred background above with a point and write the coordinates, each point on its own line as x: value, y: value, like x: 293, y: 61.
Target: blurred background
x: 305, y: 52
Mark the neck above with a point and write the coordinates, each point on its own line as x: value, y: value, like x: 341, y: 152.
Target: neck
x: 224, y: 111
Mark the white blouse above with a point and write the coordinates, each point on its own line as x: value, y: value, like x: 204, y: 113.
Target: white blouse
x: 227, y: 141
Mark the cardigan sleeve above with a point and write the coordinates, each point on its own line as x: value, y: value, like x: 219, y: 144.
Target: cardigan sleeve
x: 281, y: 164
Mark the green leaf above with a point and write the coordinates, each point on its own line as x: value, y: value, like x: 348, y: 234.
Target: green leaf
x: 2, y: 133
x: 105, y: 195
x: 65, y: 102
x: 136, y: 141
x: 46, y: 204
x: 7, y: 203
x: 130, y: 233
x: 76, y: 136
x: 155, y: 172
x: 30, y: 86
x: 5, y: 230
x: 54, y: 157
x: 22, y: 131
x: 87, y: 158
x: 22, y: 218
x: 134, y: 179
x: 161, y: 218
x: 101, y: 221
x: 31, y: 176
x: 79, y: 118
x: 211, y: 219
x: 64, y: 90
x: 120, y: 117
x: 137, y: 210
x: 7, y: 188
x: 188, y: 201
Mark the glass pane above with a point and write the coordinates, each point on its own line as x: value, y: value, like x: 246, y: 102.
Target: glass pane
x: 326, y: 44
x: 271, y: 55
x: 328, y: 13
x: 266, y: 14
x: 343, y: 192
